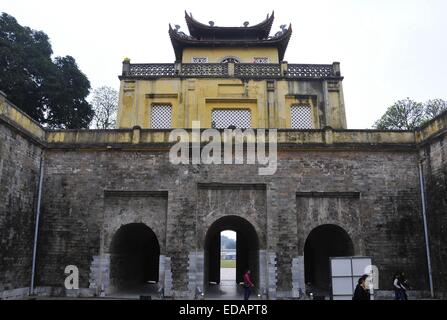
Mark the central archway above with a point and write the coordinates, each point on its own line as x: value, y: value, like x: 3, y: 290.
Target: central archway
x: 135, y: 256
x: 324, y: 242
x: 247, y: 249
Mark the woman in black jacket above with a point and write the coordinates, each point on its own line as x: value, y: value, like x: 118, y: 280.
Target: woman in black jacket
x: 361, y: 292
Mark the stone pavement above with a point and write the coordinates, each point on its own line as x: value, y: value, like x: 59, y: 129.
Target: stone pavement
x: 228, y: 289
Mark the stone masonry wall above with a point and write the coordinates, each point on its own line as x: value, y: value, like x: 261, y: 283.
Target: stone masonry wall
x: 19, y: 171
x: 87, y: 173
x: 434, y: 154
x: 385, y: 223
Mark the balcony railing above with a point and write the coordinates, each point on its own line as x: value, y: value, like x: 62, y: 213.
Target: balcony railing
x: 204, y: 70
x: 310, y: 70
x: 257, y: 70
x: 152, y: 70
x: 231, y: 70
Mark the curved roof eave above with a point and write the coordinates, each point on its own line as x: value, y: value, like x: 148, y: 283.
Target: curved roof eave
x: 179, y: 42
x: 195, y: 26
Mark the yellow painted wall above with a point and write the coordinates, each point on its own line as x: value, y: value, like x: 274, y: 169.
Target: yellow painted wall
x: 338, y: 119
x: 191, y: 100
x: 15, y: 117
x: 253, y: 97
x: 215, y: 55
x: 194, y: 100
x: 22, y: 120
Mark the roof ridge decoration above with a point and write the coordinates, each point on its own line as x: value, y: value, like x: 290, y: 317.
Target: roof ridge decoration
x: 198, y: 29
x: 202, y: 35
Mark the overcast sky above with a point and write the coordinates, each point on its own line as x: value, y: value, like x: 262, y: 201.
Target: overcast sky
x: 229, y: 234
x: 388, y: 49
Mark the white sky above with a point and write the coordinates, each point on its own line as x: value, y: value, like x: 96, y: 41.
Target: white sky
x: 388, y: 49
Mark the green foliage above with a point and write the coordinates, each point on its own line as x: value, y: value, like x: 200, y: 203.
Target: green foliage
x: 67, y: 105
x: 435, y: 107
x: 227, y: 243
x: 408, y: 114
x: 228, y: 263
x: 51, y: 92
x: 403, y: 115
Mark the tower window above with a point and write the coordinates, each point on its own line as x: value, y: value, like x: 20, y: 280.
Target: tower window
x: 199, y: 60
x: 260, y: 60
x: 301, y: 117
x: 231, y: 118
x: 230, y: 59
x: 161, y: 116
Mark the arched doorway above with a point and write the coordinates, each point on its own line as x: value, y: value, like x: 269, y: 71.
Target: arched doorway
x: 247, y: 250
x: 135, y: 255
x: 323, y: 242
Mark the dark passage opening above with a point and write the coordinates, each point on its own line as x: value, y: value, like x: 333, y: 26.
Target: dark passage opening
x: 322, y: 243
x: 247, y: 249
x: 135, y: 255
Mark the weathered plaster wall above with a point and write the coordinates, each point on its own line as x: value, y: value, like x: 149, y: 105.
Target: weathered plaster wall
x: 193, y: 99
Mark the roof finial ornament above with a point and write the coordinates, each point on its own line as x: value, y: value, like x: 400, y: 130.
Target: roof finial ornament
x: 211, y: 23
x: 246, y: 23
x: 181, y: 33
x: 283, y: 31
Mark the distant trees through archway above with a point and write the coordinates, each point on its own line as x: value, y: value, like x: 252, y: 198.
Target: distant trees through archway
x: 228, y: 243
x: 247, y: 249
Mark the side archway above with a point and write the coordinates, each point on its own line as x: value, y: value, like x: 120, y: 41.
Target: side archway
x: 135, y: 256
x: 323, y: 242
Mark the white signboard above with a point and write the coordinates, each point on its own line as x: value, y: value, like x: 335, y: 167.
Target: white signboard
x: 345, y: 273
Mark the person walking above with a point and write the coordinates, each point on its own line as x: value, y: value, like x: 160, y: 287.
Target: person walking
x: 397, y: 287
x: 404, y: 285
x: 361, y: 291
x: 248, y: 284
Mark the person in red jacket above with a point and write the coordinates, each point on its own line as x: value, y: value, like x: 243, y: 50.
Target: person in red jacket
x: 248, y: 284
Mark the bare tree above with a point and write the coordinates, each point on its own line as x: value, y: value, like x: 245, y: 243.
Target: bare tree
x: 435, y: 107
x: 402, y: 115
x: 105, y: 105
x: 408, y: 114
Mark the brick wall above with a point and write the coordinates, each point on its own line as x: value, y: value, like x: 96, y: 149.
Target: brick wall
x: 435, y: 173
x: 385, y: 222
x: 19, y: 171
x: 179, y: 203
